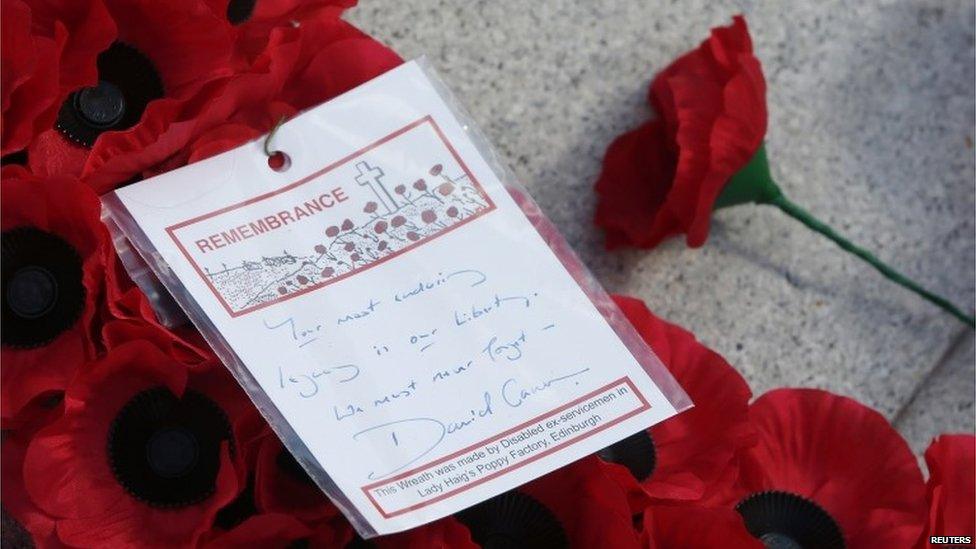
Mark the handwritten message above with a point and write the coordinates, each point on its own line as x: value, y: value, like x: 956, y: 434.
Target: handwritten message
x: 511, y: 326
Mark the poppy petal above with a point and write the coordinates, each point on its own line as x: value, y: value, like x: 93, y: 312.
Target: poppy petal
x: 695, y: 449
x: 951, y: 460
x: 636, y: 177
x: 691, y: 527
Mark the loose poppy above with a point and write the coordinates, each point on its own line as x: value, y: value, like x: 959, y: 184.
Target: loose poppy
x: 664, y: 177
x: 706, y: 152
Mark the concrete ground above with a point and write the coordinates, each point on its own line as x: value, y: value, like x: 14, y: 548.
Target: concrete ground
x: 871, y: 128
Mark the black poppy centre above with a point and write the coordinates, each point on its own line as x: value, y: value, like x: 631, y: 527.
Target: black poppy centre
x: 512, y: 520
x: 239, y: 11
x: 18, y: 158
x: 127, y: 82
x: 165, y: 450
x: 43, y: 292
x: 782, y: 520
x: 636, y: 452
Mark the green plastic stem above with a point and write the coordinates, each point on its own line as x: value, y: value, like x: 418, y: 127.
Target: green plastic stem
x: 891, y: 274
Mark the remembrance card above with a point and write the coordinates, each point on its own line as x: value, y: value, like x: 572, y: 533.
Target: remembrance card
x: 411, y: 325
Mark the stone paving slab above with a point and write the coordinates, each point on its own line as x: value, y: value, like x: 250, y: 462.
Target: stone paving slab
x: 944, y: 403
x: 871, y: 111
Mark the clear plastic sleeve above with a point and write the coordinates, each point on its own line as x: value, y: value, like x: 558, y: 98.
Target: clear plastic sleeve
x: 172, y: 299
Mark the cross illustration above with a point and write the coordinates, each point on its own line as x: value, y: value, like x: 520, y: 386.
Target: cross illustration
x: 370, y: 176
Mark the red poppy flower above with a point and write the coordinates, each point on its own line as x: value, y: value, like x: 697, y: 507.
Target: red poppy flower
x: 146, y: 453
x: 683, y: 457
x: 225, y: 113
x: 706, y: 152
x: 281, y: 485
x: 691, y: 527
x: 664, y: 177
x: 53, y: 268
x: 952, y: 477
x: 826, y: 472
x: 322, y: 58
x: 592, y: 508
x: 49, y: 50
x: 163, y: 54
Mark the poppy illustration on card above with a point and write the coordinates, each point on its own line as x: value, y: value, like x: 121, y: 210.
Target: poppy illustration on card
x: 350, y: 216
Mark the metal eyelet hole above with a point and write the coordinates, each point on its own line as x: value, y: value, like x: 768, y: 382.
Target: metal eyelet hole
x: 279, y: 161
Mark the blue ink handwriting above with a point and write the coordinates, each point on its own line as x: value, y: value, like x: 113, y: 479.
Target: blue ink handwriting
x: 308, y: 382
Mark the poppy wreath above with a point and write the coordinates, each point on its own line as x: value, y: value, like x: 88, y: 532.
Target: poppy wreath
x: 121, y: 432
x: 705, y: 151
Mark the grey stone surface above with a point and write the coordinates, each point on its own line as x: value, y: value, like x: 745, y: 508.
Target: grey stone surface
x: 871, y: 128
x: 944, y: 403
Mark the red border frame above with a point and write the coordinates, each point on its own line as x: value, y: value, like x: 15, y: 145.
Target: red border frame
x: 645, y: 405
x: 171, y: 230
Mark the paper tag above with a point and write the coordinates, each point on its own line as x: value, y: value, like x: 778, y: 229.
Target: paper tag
x: 390, y: 307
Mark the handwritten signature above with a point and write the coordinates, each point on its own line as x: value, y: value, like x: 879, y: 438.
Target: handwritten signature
x: 411, y: 439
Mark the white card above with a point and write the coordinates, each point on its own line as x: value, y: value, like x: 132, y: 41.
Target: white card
x: 392, y: 310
